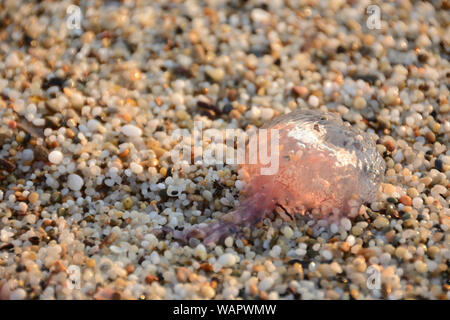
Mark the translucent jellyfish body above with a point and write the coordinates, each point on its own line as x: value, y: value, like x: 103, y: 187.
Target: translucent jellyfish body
x: 326, y: 168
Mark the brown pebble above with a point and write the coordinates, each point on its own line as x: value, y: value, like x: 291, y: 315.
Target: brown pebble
x: 206, y: 267
x: 150, y: 279
x: 182, y: 274
x: 124, y: 153
x: 58, y: 267
x: 253, y: 290
x: 258, y: 267
x: 159, y: 151
x: 406, y: 200
x: 235, y: 114
x: 108, y: 240
x: 354, y: 293
x: 344, y: 246
x: 69, y: 133
x: 232, y: 94
x: 154, y: 162
x: 390, y: 235
x: 90, y: 263
x: 430, y: 136
x: 367, y: 253
x: 300, y: 91
x: 41, y: 153
x: 389, y: 144
x: 129, y: 268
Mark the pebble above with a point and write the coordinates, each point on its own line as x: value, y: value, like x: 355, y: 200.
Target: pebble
x: 288, y: 232
x: 346, y: 224
x: 313, y: 101
x: 406, y: 200
x: 417, y: 203
x: 260, y: 15
x: 55, y: 157
x: 357, y: 231
x: 420, y: 266
x: 359, y: 103
x: 131, y: 131
x: 326, y: 254
x: 381, y: 222
x: 207, y: 292
x: 33, y: 197
x: 229, y: 242
x: 27, y: 155
x: 18, y: 294
x: 127, y: 203
x: 266, y: 284
x: 227, y: 260
x: 430, y: 136
x: 75, y: 182
x: 216, y: 74
x: 13, y: 61
x: 136, y: 168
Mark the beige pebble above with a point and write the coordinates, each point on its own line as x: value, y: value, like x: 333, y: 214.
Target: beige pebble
x: 412, y: 192
x: 420, y: 266
x: 389, y: 189
x: 207, y: 292
x: 381, y: 222
x: 357, y: 231
x: 33, y: 197
x: 90, y: 263
x: 359, y: 103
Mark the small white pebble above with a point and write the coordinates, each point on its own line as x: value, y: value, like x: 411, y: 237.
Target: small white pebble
x: 23, y: 206
x: 417, y: 202
x: 266, y: 284
x: 131, y: 130
x: 136, y: 168
x: 200, y: 252
x: 227, y: 260
x: 351, y: 240
x: 18, y: 294
x: 216, y: 74
x: 313, y: 101
x: 346, y: 224
x: 260, y: 16
x: 239, y: 184
x: 55, y: 157
x: 275, y: 252
x: 75, y: 182
x: 287, y: 231
x: 229, y: 242
x: 326, y: 254
x: 27, y: 155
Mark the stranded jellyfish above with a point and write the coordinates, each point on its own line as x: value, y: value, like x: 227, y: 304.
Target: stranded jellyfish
x: 326, y: 169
